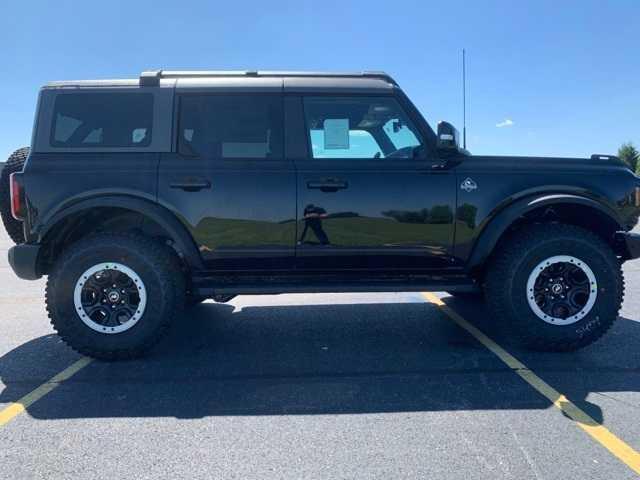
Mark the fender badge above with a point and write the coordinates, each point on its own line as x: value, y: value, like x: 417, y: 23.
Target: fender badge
x: 468, y: 185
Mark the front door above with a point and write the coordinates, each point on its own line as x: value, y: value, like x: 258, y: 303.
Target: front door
x: 368, y: 197
x: 229, y: 182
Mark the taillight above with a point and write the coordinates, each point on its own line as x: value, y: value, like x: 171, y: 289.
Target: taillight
x: 15, y: 191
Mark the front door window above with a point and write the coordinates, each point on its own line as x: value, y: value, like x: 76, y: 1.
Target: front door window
x: 359, y: 128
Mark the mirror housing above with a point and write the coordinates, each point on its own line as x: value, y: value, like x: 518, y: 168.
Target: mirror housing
x: 448, y: 138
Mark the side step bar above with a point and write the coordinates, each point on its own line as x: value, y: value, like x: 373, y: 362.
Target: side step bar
x: 330, y: 287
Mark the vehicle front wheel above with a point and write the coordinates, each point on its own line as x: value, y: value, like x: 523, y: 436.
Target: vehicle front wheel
x: 112, y: 296
x: 558, y: 287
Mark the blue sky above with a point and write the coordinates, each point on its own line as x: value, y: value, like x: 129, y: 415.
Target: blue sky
x: 544, y: 77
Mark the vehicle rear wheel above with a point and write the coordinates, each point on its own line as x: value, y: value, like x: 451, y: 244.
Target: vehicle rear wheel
x: 558, y: 287
x: 112, y: 296
x: 14, y: 163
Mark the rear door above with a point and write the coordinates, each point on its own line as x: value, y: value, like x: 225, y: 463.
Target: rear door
x: 228, y: 179
x: 368, y: 195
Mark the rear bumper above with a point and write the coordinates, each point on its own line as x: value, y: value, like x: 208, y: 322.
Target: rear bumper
x: 24, y: 259
x: 631, y: 242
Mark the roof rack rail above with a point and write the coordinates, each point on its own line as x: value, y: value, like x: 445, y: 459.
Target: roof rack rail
x: 152, y: 78
x: 599, y: 156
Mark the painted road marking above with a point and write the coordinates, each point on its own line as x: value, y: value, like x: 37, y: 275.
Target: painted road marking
x: 19, y: 406
x: 596, y: 430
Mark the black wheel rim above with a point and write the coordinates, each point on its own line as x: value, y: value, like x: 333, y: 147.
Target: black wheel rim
x: 561, y: 290
x: 110, y: 297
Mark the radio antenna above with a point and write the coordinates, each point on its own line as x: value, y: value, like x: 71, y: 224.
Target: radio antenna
x: 464, y: 100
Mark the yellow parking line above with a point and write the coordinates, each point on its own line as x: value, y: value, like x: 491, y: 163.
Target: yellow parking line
x: 598, y: 432
x: 19, y: 406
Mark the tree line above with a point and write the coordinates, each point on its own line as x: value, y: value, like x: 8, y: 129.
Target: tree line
x: 630, y: 155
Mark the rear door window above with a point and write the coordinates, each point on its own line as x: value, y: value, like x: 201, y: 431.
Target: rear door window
x: 231, y: 126
x: 104, y: 120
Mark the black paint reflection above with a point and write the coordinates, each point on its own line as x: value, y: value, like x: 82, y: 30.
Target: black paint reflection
x: 313, y: 216
x: 466, y: 213
x: 438, y: 214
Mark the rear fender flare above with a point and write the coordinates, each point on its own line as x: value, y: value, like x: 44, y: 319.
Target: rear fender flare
x: 163, y: 217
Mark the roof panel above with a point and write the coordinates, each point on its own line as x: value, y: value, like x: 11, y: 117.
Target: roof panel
x: 337, y: 84
x: 230, y: 83
x: 247, y: 80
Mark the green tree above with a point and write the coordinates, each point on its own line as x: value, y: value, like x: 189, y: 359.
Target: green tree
x: 629, y: 155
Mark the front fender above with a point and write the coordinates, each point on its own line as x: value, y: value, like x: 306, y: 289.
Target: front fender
x: 502, y: 220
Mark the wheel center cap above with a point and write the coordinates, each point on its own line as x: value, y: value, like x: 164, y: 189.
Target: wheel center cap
x: 557, y: 288
x: 113, y: 296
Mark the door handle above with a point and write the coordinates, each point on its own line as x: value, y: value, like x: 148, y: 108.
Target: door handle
x: 327, y: 185
x: 191, y: 185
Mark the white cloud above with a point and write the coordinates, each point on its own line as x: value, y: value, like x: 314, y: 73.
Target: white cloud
x: 507, y: 122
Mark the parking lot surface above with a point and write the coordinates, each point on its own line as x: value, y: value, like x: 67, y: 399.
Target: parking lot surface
x: 314, y: 386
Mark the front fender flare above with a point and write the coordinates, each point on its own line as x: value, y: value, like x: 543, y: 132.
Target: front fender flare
x: 163, y: 217
x: 502, y: 220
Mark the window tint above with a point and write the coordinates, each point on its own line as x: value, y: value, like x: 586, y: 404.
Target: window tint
x: 400, y: 135
x: 231, y: 126
x: 359, y: 127
x: 102, y: 120
x: 360, y: 142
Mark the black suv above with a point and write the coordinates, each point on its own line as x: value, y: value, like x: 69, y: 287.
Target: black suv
x: 139, y: 198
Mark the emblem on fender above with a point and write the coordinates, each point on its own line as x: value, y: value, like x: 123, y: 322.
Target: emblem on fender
x: 468, y: 185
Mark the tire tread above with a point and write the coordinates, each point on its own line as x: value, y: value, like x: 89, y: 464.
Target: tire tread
x: 503, y: 266
x: 14, y: 163
x: 162, y: 258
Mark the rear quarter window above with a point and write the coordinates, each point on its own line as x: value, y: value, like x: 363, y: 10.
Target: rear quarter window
x: 102, y: 120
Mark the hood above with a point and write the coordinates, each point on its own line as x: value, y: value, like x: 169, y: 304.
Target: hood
x: 595, y: 162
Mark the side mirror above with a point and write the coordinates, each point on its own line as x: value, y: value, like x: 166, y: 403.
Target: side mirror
x: 448, y: 138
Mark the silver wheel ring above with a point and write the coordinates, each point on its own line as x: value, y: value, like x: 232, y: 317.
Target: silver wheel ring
x: 77, y: 298
x: 593, y: 290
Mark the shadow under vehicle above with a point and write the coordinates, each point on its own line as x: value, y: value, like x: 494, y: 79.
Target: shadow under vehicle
x: 318, y: 359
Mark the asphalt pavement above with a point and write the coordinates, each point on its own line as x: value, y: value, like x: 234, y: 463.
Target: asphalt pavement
x: 314, y: 386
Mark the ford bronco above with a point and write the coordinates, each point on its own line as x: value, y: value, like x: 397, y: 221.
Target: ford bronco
x: 139, y: 198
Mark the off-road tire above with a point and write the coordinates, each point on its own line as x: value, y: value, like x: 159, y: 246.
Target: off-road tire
x: 153, y: 263
x: 515, y: 259
x: 14, y: 163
